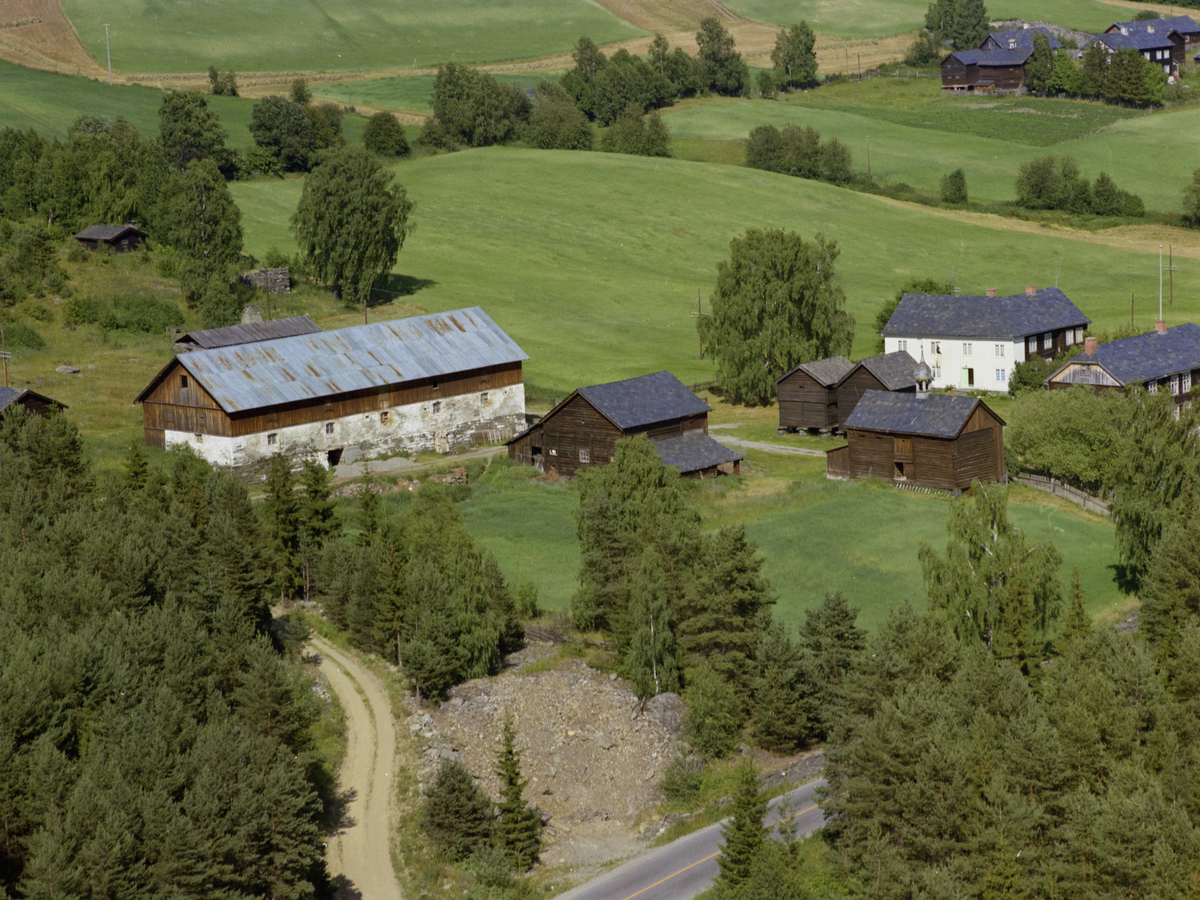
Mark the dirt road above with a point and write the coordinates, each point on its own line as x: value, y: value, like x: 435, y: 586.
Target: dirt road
x: 360, y: 853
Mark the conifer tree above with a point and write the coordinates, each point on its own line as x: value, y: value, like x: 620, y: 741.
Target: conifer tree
x: 282, y: 513
x: 1077, y: 624
x: 317, y: 519
x: 519, y: 828
x: 786, y: 704
x: 137, y: 470
x: 1170, y: 592
x: 832, y: 639
x: 456, y: 813
x: 745, y: 834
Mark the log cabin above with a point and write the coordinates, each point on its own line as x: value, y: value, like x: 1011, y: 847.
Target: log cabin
x: 119, y: 238
x: 973, y: 342
x: 583, y: 430
x: 431, y: 382
x: 929, y: 440
x: 1167, y: 359
x: 997, y: 64
x: 808, y: 394
x: 888, y: 372
x: 1165, y: 42
x: 38, y: 404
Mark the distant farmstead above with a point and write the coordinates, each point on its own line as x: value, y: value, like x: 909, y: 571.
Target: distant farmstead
x: 431, y: 382
x: 38, y: 404
x: 1164, y: 42
x: 583, y: 430
x: 997, y: 64
x: 120, y: 238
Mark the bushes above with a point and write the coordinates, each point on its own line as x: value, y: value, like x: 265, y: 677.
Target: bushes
x: 954, y: 187
x: 798, y: 151
x: 21, y: 334
x: 559, y: 125
x: 129, y: 312
x: 636, y: 135
x: 384, y: 135
x: 1052, y: 183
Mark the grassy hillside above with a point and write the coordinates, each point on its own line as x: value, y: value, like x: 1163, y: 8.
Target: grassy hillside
x: 593, y: 261
x: 334, y: 35
x: 407, y: 92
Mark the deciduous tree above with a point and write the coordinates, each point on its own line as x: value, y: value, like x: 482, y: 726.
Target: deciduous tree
x: 188, y: 129
x: 794, y: 58
x: 721, y: 68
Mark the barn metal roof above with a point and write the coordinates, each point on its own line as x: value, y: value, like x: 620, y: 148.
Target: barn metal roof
x: 825, y: 372
x: 635, y: 402
x: 1146, y: 357
x: 104, y: 232
x: 693, y: 451
x: 250, y: 332
x: 894, y: 370
x: 328, y: 363
x: 950, y: 315
x: 935, y: 415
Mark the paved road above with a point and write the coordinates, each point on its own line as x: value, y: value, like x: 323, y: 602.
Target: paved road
x: 684, y: 868
x: 360, y: 853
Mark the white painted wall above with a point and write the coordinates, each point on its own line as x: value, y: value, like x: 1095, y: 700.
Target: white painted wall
x: 991, y: 358
x: 397, y: 429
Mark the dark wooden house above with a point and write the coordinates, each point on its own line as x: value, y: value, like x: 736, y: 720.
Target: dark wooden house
x: 936, y: 441
x: 245, y: 333
x: 888, y: 372
x: 38, y: 404
x: 583, y: 429
x: 997, y: 64
x: 1167, y: 359
x: 427, y: 383
x: 808, y: 394
x: 121, y: 238
x: 1165, y: 42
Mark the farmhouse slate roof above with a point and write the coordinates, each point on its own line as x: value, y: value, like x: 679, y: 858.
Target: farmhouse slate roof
x: 1183, y: 24
x: 895, y: 370
x: 296, y: 369
x: 1138, y: 40
x: 825, y: 372
x: 250, y: 332
x: 10, y: 396
x: 937, y: 415
x: 693, y: 451
x: 950, y: 315
x: 1146, y: 357
x: 992, y: 57
x: 1023, y: 37
x: 635, y: 402
x: 104, y: 232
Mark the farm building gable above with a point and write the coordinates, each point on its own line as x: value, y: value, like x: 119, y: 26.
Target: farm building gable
x: 825, y: 372
x: 10, y: 398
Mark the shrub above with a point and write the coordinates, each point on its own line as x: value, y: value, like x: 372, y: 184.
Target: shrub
x: 954, y: 187
x: 714, y: 713
x: 20, y: 334
x: 559, y: 125
x: 83, y: 311
x: 76, y: 253
x: 384, y: 135
x: 527, y: 600
x: 141, y: 312
x: 37, y: 312
x: 925, y: 50
x: 682, y: 780
x: 766, y: 84
x: 1029, y: 376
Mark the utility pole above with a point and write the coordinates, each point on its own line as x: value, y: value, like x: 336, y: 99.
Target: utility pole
x: 4, y: 354
x: 108, y: 47
x: 1131, y: 310
x: 696, y: 315
x: 1171, y: 267
x: 1160, y: 282
x: 868, y: 157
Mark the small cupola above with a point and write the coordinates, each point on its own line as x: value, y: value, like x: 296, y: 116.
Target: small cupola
x: 922, y: 375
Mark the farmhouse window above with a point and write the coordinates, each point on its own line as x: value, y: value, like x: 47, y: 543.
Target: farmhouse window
x: 1174, y: 384
x: 385, y: 417
x: 483, y: 397
x: 1000, y: 375
x: 936, y: 346
x: 966, y: 349
x: 183, y: 382
x: 437, y: 405
x: 271, y: 437
x: 1000, y: 351
x: 329, y: 428
x: 328, y: 406
x: 937, y: 371
x: 1030, y: 345
x: 585, y: 456
x: 1185, y: 383
x: 902, y: 345
x: 1047, y: 340
x: 1152, y: 387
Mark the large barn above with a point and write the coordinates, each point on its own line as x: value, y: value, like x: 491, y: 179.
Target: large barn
x: 583, y: 429
x: 431, y: 382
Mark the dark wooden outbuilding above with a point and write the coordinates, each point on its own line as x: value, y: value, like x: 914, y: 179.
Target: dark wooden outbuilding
x: 38, y: 404
x: 121, y: 238
x: 997, y: 64
x: 887, y: 372
x: 934, y: 441
x: 808, y: 394
x: 583, y: 429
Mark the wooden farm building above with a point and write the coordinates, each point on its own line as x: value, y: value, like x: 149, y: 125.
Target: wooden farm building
x: 808, y: 394
x: 1165, y: 42
x: 936, y: 441
x: 1167, y: 359
x: 120, y: 238
x: 39, y: 404
x: 888, y: 372
x: 245, y: 333
x: 583, y: 429
x: 427, y: 383
x: 997, y: 64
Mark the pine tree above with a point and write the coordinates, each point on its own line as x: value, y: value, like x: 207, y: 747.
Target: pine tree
x: 137, y: 470
x: 1170, y: 591
x: 317, y: 519
x: 745, y: 834
x: 456, y: 813
x: 786, y: 705
x: 282, y: 513
x: 519, y: 828
x: 1077, y: 624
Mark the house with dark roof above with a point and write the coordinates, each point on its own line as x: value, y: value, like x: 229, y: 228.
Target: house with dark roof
x: 973, y: 342
x: 431, y: 382
x: 1167, y: 359
x: 929, y: 440
x: 808, y: 394
x: 888, y: 372
x: 583, y: 430
x: 121, y: 238
x: 1165, y: 41
x: 998, y: 63
x: 245, y: 333
x: 38, y: 404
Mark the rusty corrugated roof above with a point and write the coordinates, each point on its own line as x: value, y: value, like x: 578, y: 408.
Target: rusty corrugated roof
x: 250, y: 332
x: 295, y: 369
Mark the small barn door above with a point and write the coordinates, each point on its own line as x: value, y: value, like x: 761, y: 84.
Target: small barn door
x: 902, y: 459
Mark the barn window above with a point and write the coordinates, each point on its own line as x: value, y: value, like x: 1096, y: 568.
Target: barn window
x: 199, y: 438
x: 271, y: 437
x: 170, y: 415
x: 183, y: 382
x: 329, y: 428
x: 437, y: 406
x: 328, y: 406
x: 434, y: 385
x: 202, y: 419
x: 270, y: 417
x: 585, y: 456
x: 483, y: 397
x: 385, y: 417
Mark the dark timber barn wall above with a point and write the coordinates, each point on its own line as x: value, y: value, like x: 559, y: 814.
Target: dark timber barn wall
x: 1003, y: 78
x: 857, y: 383
x: 956, y: 74
x: 806, y: 403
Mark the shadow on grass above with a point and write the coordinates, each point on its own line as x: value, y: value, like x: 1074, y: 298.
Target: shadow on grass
x: 392, y: 286
x: 1124, y: 578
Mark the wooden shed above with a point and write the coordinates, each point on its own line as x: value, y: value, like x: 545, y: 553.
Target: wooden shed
x: 887, y: 372
x: 583, y: 429
x: 38, y: 404
x: 121, y: 238
x: 934, y: 441
x: 808, y: 394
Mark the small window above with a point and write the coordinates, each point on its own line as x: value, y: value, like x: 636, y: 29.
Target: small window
x: 271, y: 437
x: 1152, y: 387
x: 1047, y: 340
x: 270, y: 417
x: 483, y: 397
x: 902, y: 345
x: 434, y: 385
x: 1185, y: 383
x: 966, y: 349
x: 1174, y: 384
x: 329, y: 428
x: 1000, y: 351
x: 183, y: 382
x: 437, y: 406
x: 328, y: 406
x: 385, y: 417
x: 203, y: 421
x: 170, y: 415
x: 936, y: 346
x: 1030, y: 345
x: 585, y: 456
x: 199, y: 438
x: 1000, y: 375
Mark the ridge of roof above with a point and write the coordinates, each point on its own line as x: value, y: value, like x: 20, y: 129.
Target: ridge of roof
x: 895, y: 370
x: 935, y: 415
x: 960, y: 315
x: 825, y: 372
x: 634, y: 402
x: 250, y: 332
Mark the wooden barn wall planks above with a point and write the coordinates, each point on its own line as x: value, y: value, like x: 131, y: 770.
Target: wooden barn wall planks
x: 805, y: 403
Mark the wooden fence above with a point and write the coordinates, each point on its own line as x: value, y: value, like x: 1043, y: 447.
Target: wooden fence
x: 1056, y: 488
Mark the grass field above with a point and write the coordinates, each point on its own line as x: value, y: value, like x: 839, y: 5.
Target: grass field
x: 409, y: 92
x: 592, y: 262
x: 871, y: 18
x: 334, y: 35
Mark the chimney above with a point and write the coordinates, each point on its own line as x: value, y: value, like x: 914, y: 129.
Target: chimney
x: 991, y: 292
x: 251, y: 314
x: 1160, y: 327
x: 1030, y: 290
x: 1089, y: 346
x: 1150, y: 29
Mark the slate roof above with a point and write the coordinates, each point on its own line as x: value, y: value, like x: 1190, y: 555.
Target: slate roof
x: 104, y: 232
x: 936, y: 415
x: 1146, y: 357
x: 949, y: 315
x: 296, y: 369
x: 1138, y: 40
x: 636, y: 402
x: 992, y: 57
x: 825, y: 372
x: 250, y: 332
x: 1023, y: 37
x: 9, y: 396
x: 894, y: 370
x: 693, y: 451
x: 1183, y: 24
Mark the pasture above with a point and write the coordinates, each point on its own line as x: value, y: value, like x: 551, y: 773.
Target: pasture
x: 335, y: 35
x: 410, y: 93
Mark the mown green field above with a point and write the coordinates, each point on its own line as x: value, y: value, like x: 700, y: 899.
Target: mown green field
x: 872, y: 18
x: 592, y: 262
x: 334, y: 35
x: 920, y: 155
x: 408, y: 92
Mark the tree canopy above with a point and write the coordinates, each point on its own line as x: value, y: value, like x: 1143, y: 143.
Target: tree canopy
x: 794, y: 58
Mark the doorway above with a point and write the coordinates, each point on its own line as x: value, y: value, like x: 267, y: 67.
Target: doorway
x: 334, y: 457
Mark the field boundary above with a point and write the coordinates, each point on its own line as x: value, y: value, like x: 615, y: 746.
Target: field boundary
x: 1056, y: 488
